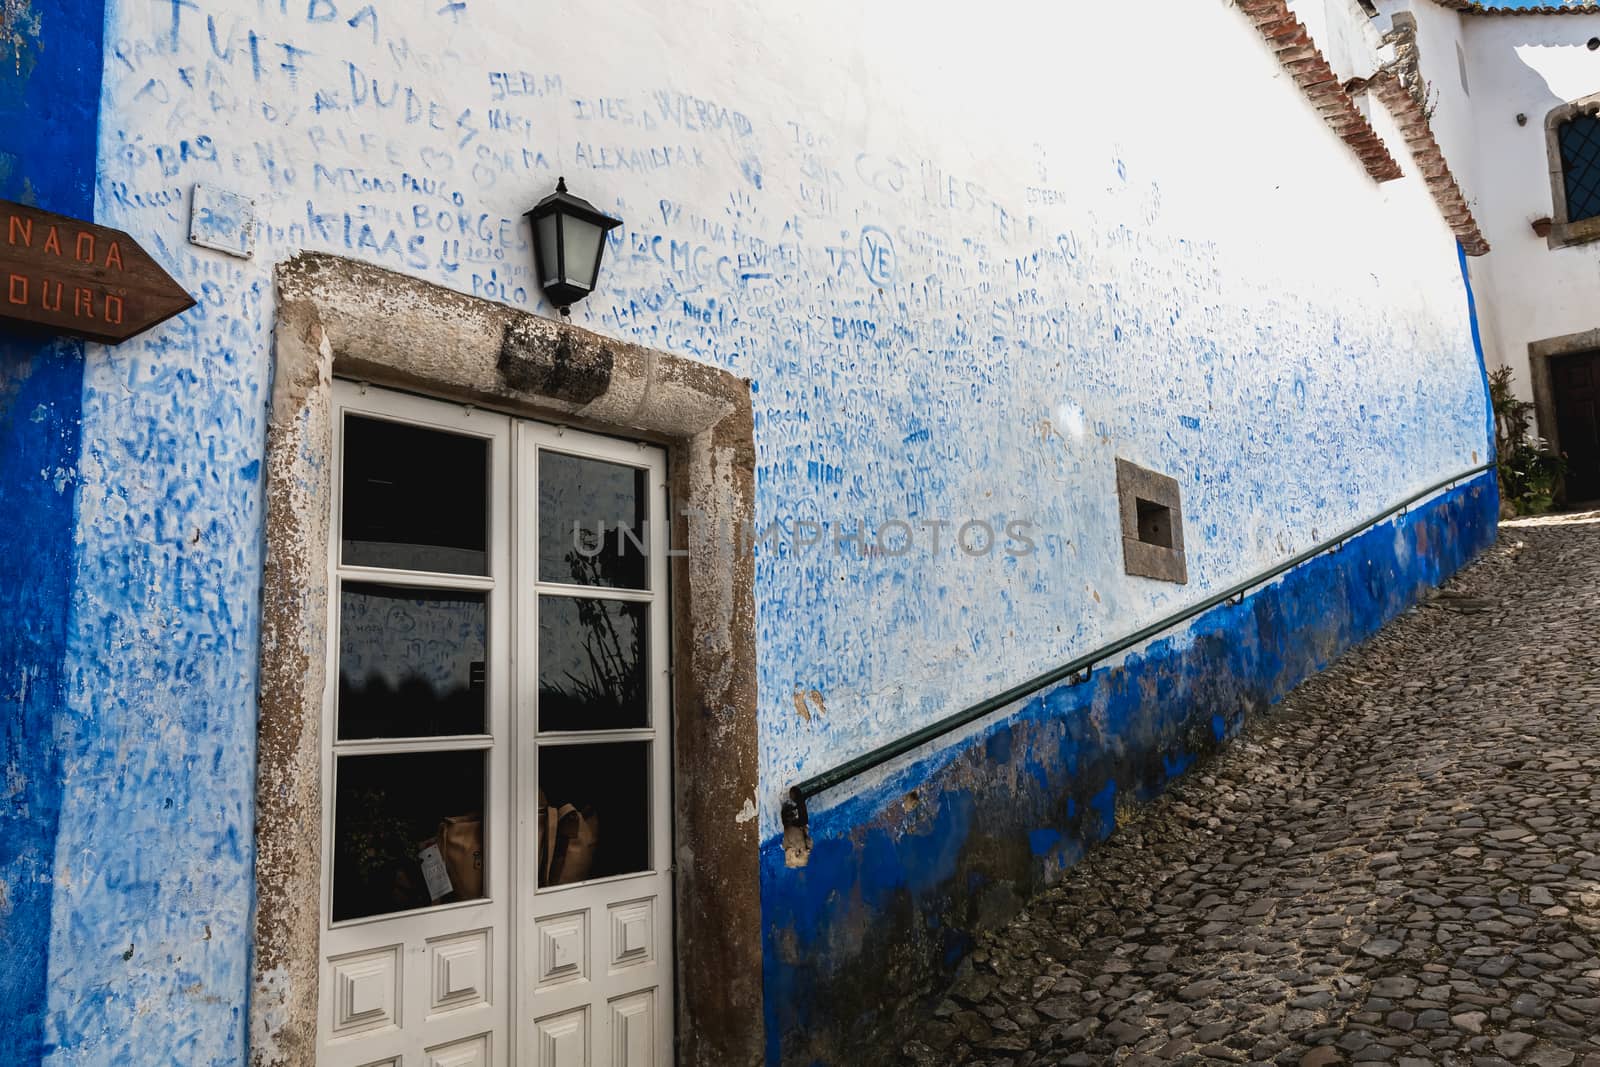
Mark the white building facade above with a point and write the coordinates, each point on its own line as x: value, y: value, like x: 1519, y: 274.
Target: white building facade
x: 1515, y: 95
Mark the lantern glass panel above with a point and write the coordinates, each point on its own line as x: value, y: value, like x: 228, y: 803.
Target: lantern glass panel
x: 549, y: 243
x: 583, y: 251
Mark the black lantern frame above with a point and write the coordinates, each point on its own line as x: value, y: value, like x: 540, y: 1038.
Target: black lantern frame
x: 563, y: 225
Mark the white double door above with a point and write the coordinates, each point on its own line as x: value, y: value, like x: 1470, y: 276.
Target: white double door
x: 496, y: 745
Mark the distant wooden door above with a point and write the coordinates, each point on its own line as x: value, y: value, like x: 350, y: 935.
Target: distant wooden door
x: 1577, y: 389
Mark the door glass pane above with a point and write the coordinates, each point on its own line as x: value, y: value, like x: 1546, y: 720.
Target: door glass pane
x: 414, y: 498
x: 594, y: 811
x: 592, y: 522
x: 411, y: 661
x: 593, y: 664
x: 407, y: 832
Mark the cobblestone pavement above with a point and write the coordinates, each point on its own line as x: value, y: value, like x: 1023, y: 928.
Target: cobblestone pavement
x: 1399, y: 864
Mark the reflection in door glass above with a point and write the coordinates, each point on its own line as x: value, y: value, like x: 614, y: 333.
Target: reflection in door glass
x: 592, y: 522
x: 592, y: 664
x: 594, y: 811
x: 407, y: 832
x: 411, y: 661
x: 414, y: 498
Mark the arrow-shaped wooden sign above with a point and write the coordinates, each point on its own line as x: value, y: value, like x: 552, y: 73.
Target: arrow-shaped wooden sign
x: 73, y: 277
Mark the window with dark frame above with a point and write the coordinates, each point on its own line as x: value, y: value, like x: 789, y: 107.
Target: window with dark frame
x: 1579, y: 141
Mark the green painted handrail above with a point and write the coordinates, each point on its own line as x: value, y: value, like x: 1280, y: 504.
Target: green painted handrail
x: 1078, y: 670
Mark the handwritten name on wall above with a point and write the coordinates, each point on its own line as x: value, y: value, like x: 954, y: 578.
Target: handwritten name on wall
x: 928, y: 323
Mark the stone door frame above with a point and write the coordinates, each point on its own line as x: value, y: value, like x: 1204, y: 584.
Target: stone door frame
x: 1540, y: 353
x: 338, y: 317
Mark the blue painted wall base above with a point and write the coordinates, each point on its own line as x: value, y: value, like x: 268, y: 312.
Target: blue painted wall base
x: 902, y: 876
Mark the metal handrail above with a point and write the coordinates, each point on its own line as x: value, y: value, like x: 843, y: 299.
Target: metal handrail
x: 1079, y: 670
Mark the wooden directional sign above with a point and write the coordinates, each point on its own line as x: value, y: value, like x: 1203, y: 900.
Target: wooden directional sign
x: 73, y: 277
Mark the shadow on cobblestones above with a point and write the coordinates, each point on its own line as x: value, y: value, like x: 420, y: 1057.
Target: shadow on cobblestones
x: 1399, y: 864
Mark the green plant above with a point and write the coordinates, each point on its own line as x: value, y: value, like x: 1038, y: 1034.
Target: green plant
x: 1530, y: 471
x: 1430, y: 101
x: 375, y: 836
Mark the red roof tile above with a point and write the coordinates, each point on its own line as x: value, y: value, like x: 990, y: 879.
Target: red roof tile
x: 1299, y: 56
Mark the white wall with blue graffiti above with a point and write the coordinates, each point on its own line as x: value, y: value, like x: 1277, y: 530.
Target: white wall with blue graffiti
x: 968, y: 257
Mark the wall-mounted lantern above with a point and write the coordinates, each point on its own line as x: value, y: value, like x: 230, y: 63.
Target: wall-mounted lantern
x: 569, y: 238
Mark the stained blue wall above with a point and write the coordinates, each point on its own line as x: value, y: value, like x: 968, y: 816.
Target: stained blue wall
x: 49, y: 132
x: 903, y: 875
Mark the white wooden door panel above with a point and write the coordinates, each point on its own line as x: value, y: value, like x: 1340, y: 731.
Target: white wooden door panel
x: 473, y: 1052
x: 633, y: 1030
x: 563, y: 1040
x: 460, y: 970
x: 565, y: 649
x: 408, y: 985
x: 597, y: 963
x: 366, y: 991
x: 633, y: 941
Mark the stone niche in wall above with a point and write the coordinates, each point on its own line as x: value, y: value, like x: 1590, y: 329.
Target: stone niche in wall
x: 1152, y: 524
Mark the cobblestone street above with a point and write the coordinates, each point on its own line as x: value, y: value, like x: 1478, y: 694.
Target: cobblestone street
x: 1400, y: 863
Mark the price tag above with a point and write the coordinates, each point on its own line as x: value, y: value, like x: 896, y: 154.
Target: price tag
x: 433, y: 872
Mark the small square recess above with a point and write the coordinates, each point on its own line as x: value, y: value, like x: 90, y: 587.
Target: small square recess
x: 1152, y: 524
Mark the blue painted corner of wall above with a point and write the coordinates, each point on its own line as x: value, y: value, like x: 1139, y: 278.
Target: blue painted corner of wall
x: 903, y: 875
x: 1477, y: 347
x: 49, y: 135
x: 39, y: 398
